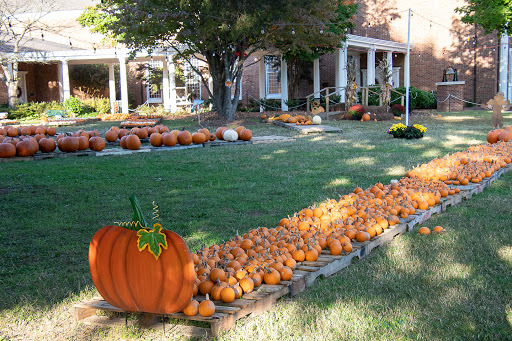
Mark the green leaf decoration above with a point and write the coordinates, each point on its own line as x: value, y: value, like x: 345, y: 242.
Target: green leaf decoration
x: 138, y: 217
x: 154, y: 238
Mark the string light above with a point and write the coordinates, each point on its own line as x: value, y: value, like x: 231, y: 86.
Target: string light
x: 150, y: 15
x: 262, y: 30
x: 321, y: 30
x: 293, y: 30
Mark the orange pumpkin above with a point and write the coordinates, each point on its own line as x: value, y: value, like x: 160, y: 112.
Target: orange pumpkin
x: 184, y: 138
x: 136, y: 280
x: 7, y: 150
x: 96, y: 143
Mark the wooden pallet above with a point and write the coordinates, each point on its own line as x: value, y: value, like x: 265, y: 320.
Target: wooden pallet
x: 253, y: 303
x: 265, y: 296
x: 217, y: 143
x: 272, y: 139
x: 117, y: 150
x: 309, y: 128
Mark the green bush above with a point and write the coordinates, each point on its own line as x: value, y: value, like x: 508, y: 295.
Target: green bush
x: 418, y: 99
x: 271, y: 104
x: 99, y: 105
x: 33, y: 110
x: 143, y: 110
x: 73, y: 105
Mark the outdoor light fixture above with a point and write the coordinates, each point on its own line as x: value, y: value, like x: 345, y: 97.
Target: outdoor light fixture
x: 450, y: 72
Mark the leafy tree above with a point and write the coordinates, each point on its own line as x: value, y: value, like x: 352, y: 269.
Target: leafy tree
x: 18, y: 20
x: 90, y: 78
x: 491, y: 15
x: 223, y: 32
x: 316, y: 36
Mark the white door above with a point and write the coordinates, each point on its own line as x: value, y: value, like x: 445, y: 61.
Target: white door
x: 22, y: 87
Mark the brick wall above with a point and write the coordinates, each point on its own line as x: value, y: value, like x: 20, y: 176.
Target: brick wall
x: 441, y: 42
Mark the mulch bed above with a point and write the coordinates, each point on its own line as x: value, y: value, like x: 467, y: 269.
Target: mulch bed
x: 211, y: 118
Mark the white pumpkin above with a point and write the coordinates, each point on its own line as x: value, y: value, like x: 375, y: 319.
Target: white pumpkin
x: 316, y: 120
x: 230, y: 135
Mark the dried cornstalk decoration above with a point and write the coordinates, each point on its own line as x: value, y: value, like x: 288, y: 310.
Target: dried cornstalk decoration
x: 384, y: 71
x: 351, y: 90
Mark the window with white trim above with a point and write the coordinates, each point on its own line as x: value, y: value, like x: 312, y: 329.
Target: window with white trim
x: 153, y: 91
x: 192, y: 79
x: 273, y: 77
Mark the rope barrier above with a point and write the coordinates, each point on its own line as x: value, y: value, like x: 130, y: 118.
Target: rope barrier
x: 269, y: 106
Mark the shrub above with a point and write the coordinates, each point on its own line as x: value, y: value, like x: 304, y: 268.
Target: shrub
x: 147, y: 110
x: 73, y: 105
x: 99, y: 105
x: 418, y: 99
x: 270, y: 104
x: 397, y: 109
x: 33, y: 110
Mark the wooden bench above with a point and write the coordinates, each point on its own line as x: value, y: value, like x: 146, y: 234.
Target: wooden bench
x: 55, y: 113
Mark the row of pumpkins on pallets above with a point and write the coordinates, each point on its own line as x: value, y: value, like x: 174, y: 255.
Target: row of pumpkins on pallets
x: 28, y: 145
x: 160, y: 135
x: 27, y: 141
x: 226, y: 271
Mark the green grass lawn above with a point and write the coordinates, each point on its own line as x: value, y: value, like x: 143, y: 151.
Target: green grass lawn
x: 454, y: 286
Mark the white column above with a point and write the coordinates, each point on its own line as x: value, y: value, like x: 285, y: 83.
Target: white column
x: 316, y: 77
x: 172, y: 85
x: 358, y: 69
x: 262, y: 78
x: 284, y: 85
x: 503, y: 73
x: 66, y: 91
x: 111, y: 86
x: 165, y: 86
x: 341, y: 71
x: 123, y: 77
x: 389, y: 58
x: 370, y: 66
x: 59, y: 74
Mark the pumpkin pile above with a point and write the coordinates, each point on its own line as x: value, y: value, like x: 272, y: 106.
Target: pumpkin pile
x: 496, y: 135
x: 160, y: 135
x: 472, y: 165
x: 269, y: 255
x: 26, y: 141
x: 297, y: 119
x: 113, y: 117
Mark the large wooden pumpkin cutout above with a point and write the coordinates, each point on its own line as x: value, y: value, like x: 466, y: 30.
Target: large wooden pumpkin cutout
x: 129, y: 276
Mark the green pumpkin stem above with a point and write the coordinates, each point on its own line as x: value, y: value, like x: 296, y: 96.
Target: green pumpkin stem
x: 138, y: 220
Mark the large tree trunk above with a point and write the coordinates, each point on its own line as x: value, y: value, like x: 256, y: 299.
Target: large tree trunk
x: 10, y: 78
x: 224, y: 79
x: 12, y: 92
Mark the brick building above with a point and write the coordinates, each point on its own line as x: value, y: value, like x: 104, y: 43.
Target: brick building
x: 438, y: 38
